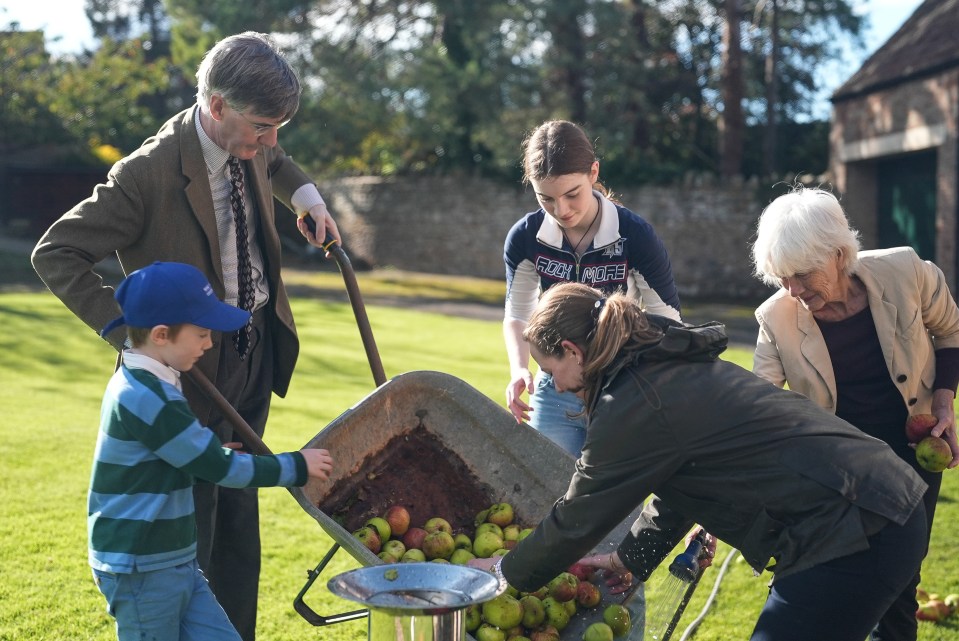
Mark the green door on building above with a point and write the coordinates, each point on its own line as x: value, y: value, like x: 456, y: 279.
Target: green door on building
x: 907, y: 203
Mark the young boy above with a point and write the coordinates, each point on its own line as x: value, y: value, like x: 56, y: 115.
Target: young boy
x: 151, y: 449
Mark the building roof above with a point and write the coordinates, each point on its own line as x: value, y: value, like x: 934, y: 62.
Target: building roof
x: 924, y: 45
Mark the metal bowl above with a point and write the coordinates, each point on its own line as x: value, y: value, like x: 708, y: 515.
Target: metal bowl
x: 411, y: 589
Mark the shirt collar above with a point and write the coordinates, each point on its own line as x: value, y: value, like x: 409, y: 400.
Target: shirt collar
x: 214, y: 156
x: 550, y: 233
x: 141, y: 361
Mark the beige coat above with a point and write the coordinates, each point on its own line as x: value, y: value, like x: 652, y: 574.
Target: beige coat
x: 914, y: 314
x: 157, y: 205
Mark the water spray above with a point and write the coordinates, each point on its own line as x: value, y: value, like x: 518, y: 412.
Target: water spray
x: 677, y: 590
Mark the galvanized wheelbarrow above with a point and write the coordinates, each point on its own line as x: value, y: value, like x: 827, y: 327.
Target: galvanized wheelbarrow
x: 512, y: 463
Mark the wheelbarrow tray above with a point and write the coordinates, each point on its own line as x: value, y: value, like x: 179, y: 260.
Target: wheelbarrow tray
x: 514, y: 463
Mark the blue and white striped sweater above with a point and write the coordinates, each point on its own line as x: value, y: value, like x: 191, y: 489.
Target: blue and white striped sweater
x: 150, y: 450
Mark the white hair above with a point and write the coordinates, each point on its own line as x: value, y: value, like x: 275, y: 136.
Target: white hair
x: 800, y: 232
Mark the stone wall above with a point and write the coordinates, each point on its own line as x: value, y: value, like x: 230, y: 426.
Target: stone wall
x: 457, y: 226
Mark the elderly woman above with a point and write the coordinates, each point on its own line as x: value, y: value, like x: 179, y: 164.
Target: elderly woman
x: 761, y: 468
x: 870, y: 336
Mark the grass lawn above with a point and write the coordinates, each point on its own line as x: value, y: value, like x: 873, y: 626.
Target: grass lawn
x: 55, y: 370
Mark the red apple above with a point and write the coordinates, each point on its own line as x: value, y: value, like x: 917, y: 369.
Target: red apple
x: 563, y: 587
x: 580, y: 571
x: 918, y: 426
x: 545, y: 633
x: 413, y: 539
x: 399, y: 519
x: 587, y: 594
x: 367, y: 536
x: 928, y: 611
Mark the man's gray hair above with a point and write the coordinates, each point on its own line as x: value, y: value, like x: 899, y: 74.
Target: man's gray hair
x: 800, y: 232
x: 249, y: 72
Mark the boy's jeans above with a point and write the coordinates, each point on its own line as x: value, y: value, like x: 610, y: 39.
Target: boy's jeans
x: 550, y: 415
x: 173, y: 604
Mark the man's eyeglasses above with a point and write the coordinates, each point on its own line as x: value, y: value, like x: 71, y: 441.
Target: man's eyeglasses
x: 261, y: 128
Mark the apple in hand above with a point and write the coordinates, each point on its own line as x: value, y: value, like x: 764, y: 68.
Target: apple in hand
x: 918, y: 426
x: 933, y: 454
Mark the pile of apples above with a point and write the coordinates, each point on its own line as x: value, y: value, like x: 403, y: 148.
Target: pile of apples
x: 513, y: 615
x: 932, y: 607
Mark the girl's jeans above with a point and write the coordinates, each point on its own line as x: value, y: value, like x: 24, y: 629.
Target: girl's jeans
x: 172, y: 604
x: 550, y: 415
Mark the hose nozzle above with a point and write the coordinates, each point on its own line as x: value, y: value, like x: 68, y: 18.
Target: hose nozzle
x: 686, y: 565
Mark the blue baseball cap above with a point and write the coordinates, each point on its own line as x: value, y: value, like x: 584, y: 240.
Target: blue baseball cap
x: 173, y: 293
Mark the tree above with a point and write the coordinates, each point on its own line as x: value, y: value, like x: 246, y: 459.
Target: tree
x: 26, y: 72
x: 792, y: 37
x: 100, y: 99
x: 731, y: 122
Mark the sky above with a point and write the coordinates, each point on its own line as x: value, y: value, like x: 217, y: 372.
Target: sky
x: 68, y: 31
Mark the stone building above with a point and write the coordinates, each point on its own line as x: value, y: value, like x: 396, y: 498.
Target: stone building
x: 893, y: 143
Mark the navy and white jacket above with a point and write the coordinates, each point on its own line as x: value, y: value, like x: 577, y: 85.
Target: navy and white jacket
x: 625, y: 255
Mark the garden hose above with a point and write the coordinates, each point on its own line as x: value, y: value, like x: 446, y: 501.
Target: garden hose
x: 712, y: 595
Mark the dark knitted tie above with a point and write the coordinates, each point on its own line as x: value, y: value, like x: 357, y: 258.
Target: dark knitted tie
x: 244, y: 268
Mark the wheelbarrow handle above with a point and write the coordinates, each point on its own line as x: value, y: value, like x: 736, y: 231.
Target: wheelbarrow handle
x: 250, y: 438
x: 332, y: 246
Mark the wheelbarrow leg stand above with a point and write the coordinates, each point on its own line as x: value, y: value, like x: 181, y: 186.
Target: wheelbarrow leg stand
x: 308, y: 613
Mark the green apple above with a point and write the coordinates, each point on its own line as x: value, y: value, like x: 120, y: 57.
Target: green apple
x: 480, y: 517
x: 503, y: 611
x: 487, y: 632
x: 933, y: 454
x: 437, y: 524
x: 501, y: 514
x: 533, y: 612
x: 485, y: 544
x: 461, y: 557
x: 473, y: 617
x: 489, y: 527
x: 382, y: 527
x: 413, y: 556
x: 617, y: 618
x: 394, y: 547
x: 598, y: 632
x: 438, y: 545
x: 463, y: 542
x: 556, y: 613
